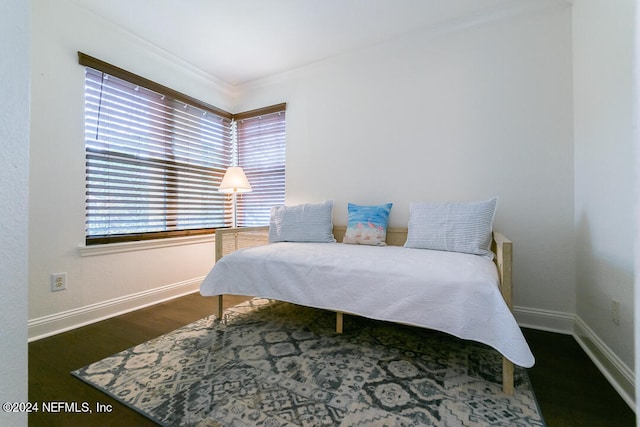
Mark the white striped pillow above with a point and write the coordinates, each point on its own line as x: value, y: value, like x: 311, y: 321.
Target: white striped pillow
x: 452, y: 226
x: 302, y: 223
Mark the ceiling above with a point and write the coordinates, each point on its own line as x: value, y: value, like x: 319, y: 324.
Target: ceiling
x: 237, y: 41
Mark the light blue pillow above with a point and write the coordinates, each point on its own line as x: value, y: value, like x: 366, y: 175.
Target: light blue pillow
x: 367, y: 224
x: 452, y: 226
x: 302, y: 223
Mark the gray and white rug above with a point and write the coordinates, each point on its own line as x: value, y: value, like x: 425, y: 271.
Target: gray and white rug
x: 277, y: 364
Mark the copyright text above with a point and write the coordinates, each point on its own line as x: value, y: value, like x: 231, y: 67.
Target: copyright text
x: 56, y: 406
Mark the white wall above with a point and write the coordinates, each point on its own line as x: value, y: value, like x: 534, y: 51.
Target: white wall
x: 14, y: 182
x: 460, y: 116
x: 98, y: 285
x: 605, y: 152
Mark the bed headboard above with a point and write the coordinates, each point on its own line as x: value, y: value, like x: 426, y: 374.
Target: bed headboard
x: 395, y: 236
x: 231, y: 239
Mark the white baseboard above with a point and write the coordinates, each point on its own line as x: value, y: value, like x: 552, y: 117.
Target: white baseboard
x: 621, y: 377
x: 545, y: 320
x: 46, y: 326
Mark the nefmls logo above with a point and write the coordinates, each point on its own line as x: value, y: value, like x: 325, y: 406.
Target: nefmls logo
x: 72, y: 407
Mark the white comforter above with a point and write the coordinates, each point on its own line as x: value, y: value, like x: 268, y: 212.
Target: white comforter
x: 447, y: 291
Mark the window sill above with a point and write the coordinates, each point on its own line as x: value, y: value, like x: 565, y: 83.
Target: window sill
x: 142, y: 245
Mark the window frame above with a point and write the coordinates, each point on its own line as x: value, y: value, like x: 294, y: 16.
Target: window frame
x: 132, y: 78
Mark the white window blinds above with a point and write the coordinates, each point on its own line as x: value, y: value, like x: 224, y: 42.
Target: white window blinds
x: 155, y: 159
x: 153, y: 163
x: 261, y: 153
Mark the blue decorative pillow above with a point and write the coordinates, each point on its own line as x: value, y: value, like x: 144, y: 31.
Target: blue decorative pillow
x: 302, y: 223
x: 452, y: 226
x: 367, y: 224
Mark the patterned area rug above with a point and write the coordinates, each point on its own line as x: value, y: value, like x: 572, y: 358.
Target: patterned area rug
x: 277, y: 364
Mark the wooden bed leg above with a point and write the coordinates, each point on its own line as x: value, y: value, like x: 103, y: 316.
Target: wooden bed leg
x: 219, y: 308
x: 507, y: 376
x: 339, y: 321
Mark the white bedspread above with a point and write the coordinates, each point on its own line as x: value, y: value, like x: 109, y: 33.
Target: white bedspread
x: 451, y: 292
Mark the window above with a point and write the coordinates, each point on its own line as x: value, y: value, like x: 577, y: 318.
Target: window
x: 155, y: 158
x: 261, y: 154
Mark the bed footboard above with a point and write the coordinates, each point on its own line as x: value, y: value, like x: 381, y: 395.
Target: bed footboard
x: 503, y: 248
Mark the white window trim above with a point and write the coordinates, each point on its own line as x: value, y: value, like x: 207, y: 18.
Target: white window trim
x: 143, y: 245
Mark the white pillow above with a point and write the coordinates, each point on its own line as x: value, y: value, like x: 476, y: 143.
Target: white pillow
x: 302, y: 223
x: 452, y: 226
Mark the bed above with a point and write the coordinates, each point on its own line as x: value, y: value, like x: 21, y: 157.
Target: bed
x: 391, y: 283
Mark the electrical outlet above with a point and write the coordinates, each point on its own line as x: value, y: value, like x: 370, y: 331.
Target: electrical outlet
x: 58, y: 282
x: 615, y: 311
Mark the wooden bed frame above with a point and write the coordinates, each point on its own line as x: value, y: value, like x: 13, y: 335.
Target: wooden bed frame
x: 231, y: 239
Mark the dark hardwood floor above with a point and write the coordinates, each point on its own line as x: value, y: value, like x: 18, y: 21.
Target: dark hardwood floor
x: 570, y: 389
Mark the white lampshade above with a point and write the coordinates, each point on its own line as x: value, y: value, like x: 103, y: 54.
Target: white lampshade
x: 234, y: 181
